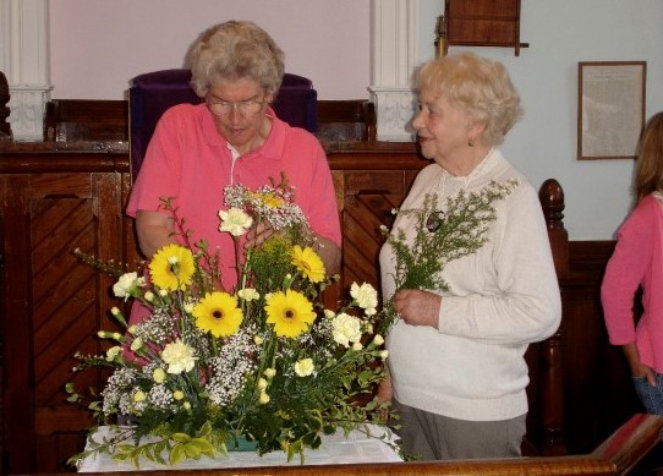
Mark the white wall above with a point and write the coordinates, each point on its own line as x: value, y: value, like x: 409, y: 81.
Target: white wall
x: 561, y: 33
x: 98, y: 45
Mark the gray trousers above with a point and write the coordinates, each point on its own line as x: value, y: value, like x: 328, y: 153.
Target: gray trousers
x: 428, y: 436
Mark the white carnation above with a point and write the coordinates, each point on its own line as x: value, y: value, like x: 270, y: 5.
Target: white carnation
x: 179, y: 357
x: 346, y: 329
x: 365, y: 295
x: 235, y: 221
x: 304, y: 367
x: 126, y: 284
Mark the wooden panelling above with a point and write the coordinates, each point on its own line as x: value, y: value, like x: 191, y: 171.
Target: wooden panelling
x: 53, y: 303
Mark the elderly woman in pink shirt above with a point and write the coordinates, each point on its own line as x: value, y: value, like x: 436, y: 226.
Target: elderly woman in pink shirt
x: 233, y: 137
x: 637, y: 262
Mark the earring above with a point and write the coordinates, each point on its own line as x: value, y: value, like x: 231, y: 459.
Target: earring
x: 470, y: 142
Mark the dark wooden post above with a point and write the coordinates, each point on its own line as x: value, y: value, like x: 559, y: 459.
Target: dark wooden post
x: 5, y: 128
x: 551, y: 387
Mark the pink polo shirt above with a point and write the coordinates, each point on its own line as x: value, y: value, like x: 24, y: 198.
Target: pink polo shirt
x: 637, y: 261
x: 189, y: 160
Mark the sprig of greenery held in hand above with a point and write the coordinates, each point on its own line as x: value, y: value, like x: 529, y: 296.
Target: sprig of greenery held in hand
x: 442, y: 236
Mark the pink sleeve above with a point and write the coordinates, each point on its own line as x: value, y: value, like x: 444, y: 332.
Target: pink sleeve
x: 323, y: 214
x: 159, y: 173
x: 624, y: 273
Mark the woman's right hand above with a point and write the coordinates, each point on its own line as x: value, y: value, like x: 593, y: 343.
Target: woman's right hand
x: 638, y: 369
x: 385, y: 391
x: 385, y: 394
x: 650, y: 375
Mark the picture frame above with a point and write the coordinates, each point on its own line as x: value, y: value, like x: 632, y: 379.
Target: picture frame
x: 611, y: 108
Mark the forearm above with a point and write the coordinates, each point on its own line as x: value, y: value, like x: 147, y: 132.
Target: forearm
x: 152, y: 238
x: 154, y: 230
x: 633, y: 358
x: 330, y: 253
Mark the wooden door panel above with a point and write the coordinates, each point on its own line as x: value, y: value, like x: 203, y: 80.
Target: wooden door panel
x: 368, y: 200
x: 51, y: 237
x: 62, y: 304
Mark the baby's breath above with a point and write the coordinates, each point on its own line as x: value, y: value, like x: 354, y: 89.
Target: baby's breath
x: 230, y: 370
x: 115, y: 393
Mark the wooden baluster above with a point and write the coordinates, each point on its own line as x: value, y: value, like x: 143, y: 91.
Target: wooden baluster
x: 551, y: 386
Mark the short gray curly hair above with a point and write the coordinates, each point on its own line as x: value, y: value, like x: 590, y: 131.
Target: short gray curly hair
x: 235, y: 50
x: 480, y: 85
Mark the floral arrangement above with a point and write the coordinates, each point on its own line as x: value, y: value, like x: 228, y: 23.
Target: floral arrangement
x: 264, y: 362
x: 441, y: 237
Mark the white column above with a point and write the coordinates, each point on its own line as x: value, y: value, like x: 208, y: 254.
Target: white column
x: 24, y: 59
x: 394, y: 55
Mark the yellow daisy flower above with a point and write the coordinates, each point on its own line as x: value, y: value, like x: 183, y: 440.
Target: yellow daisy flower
x: 172, y: 267
x: 290, y: 312
x: 218, y: 313
x: 308, y: 263
x: 271, y: 201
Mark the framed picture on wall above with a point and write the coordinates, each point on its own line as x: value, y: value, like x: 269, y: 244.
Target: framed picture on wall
x: 611, y: 108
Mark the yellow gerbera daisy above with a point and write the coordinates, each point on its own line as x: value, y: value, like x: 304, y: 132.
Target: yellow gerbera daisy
x: 308, y: 263
x: 218, y: 314
x: 290, y: 312
x: 172, y: 267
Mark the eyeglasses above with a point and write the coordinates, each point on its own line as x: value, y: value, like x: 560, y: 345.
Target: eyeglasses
x: 245, y: 108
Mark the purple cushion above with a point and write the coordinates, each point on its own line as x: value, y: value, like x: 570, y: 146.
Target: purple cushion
x: 152, y: 93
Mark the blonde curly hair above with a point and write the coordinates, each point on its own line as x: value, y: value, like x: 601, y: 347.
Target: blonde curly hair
x: 479, y: 85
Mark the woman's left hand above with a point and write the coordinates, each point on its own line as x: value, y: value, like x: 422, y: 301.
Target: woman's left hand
x: 418, y: 308
x: 258, y: 235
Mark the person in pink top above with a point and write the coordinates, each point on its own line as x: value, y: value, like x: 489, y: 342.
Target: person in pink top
x: 637, y: 262
x: 233, y: 137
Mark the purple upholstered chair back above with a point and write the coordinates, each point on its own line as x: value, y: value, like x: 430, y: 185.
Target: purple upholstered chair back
x: 152, y: 93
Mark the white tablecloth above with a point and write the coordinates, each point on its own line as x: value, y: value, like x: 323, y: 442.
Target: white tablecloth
x: 357, y: 447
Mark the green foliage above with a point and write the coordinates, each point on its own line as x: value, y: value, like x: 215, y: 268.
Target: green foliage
x: 442, y: 235
x: 271, y: 263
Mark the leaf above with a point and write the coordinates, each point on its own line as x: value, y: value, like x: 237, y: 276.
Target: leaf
x: 206, y: 429
x: 123, y: 452
x: 135, y: 459
x: 191, y: 450
x: 181, y: 437
x: 203, y: 446
x: 177, y: 455
x: 158, y: 451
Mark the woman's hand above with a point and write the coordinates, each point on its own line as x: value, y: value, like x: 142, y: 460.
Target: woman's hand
x: 385, y: 394
x: 329, y: 253
x: 258, y: 235
x: 418, y: 308
x: 638, y: 369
